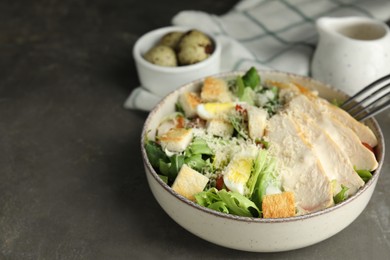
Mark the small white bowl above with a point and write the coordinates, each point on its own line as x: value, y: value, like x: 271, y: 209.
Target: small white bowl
x: 162, y: 80
x: 257, y: 234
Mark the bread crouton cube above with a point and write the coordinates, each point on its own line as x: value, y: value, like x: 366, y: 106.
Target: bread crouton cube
x: 189, y: 101
x: 257, y: 120
x: 215, y: 90
x: 280, y: 205
x: 189, y: 182
x: 176, y: 139
x: 219, y: 127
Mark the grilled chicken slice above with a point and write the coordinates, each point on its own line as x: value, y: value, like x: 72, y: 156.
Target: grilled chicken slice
x: 360, y: 157
x: 346, y: 139
x: 301, y: 171
x: 335, y: 163
x: 362, y: 131
x: 290, y: 90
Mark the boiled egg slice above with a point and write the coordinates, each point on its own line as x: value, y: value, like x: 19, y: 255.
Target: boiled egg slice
x: 209, y: 111
x: 237, y: 173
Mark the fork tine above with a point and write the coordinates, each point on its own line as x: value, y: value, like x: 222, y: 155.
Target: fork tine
x: 376, y: 111
x: 364, y: 96
x: 364, y: 90
x: 372, y: 95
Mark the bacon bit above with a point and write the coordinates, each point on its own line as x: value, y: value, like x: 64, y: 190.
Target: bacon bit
x: 219, y: 183
x: 368, y: 147
x: 241, y: 110
x: 180, y: 122
x: 259, y: 143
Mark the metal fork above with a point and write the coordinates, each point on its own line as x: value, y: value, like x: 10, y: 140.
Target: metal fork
x: 370, y: 101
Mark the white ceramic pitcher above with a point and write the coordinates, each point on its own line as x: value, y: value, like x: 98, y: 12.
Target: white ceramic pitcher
x: 351, y: 53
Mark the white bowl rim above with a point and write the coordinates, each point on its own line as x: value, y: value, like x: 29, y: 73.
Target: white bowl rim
x: 179, y: 69
x: 182, y: 199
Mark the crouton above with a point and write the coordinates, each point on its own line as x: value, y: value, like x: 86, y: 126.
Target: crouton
x: 220, y: 127
x: 280, y: 205
x: 189, y: 182
x: 176, y: 139
x: 189, y: 101
x: 215, y: 90
x: 257, y: 119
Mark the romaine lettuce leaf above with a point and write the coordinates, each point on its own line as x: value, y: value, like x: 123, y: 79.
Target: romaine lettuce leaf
x: 155, y: 153
x: 248, y: 96
x: 196, y: 156
x: 239, y: 125
x: 238, y: 204
x: 342, y: 195
x: 240, y: 86
x: 264, y: 177
x: 260, y: 164
x: 198, y: 146
x: 206, y: 198
x: 163, y: 178
x: 251, y: 78
x: 227, y: 202
x: 171, y: 168
x: 219, y: 206
x: 364, y: 174
x: 247, y: 85
x: 196, y: 162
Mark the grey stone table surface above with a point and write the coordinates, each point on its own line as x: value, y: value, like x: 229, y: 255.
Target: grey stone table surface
x: 72, y: 184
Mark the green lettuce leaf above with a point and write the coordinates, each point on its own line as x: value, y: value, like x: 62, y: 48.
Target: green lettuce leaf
x: 163, y: 178
x: 364, y: 174
x: 164, y: 167
x: 172, y: 168
x: 206, y: 198
x: 248, y: 96
x: 239, y: 125
x: 196, y: 162
x: 227, y: 202
x: 240, y: 86
x: 155, y: 153
x: 238, y: 204
x: 342, y: 195
x: 247, y: 85
x: 198, y: 146
x: 260, y: 164
x: 264, y: 177
x: 177, y: 162
x: 251, y: 78
x: 219, y: 206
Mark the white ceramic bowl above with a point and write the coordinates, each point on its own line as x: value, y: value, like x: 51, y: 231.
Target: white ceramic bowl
x: 250, y: 234
x: 162, y: 80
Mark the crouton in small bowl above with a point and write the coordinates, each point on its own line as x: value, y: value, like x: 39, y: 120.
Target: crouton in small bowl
x: 241, y: 156
x: 169, y: 57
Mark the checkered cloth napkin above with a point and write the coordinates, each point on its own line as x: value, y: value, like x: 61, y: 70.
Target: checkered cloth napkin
x: 279, y: 35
